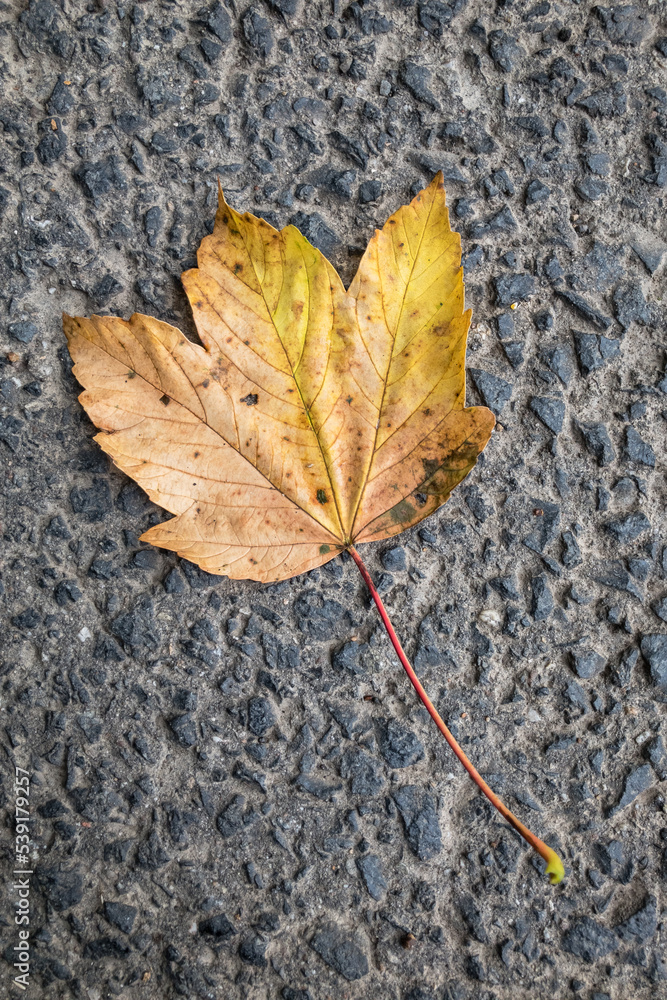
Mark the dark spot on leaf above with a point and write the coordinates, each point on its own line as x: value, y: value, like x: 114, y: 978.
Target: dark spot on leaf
x: 165, y: 399
x: 131, y: 374
x: 237, y: 268
x: 421, y: 498
x: 250, y: 399
x: 431, y: 466
x: 322, y: 497
x: 205, y: 383
x: 324, y: 549
x: 199, y: 305
x: 402, y: 513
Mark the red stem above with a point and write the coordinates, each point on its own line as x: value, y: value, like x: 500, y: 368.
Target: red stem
x: 554, y: 865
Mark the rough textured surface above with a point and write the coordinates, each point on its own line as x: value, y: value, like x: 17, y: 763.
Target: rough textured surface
x: 221, y: 802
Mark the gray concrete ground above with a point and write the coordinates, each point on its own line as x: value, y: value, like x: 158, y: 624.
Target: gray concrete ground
x: 234, y: 793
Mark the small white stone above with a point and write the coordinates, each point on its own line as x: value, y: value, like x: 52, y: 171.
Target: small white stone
x: 490, y: 617
x: 84, y: 634
x: 534, y: 716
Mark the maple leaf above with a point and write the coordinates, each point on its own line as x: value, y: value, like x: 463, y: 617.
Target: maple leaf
x: 313, y: 418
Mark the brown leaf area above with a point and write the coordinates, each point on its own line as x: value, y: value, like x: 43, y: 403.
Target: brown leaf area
x: 313, y: 417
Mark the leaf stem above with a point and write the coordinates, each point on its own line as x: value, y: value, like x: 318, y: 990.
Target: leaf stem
x: 554, y: 868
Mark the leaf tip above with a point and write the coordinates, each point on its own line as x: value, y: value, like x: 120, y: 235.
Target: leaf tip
x: 222, y: 201
x: 68, y: 325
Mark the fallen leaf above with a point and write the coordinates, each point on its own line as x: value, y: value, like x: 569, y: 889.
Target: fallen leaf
x: 313, y: 418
